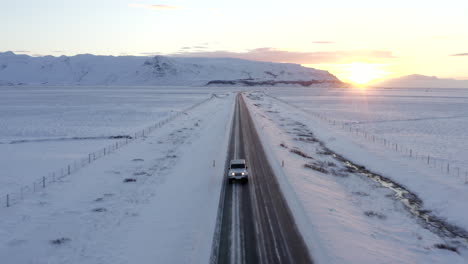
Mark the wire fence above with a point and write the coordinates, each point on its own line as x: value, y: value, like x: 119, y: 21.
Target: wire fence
x: 443, y: 166
x: 13, y: 198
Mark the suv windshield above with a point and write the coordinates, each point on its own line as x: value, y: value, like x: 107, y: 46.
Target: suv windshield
x: 237, y: 166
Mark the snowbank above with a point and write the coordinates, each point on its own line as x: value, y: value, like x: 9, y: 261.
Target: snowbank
x: 155, y: 201
x: 345, y: 217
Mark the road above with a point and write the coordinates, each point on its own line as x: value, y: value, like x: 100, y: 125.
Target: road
x: 256, y: 225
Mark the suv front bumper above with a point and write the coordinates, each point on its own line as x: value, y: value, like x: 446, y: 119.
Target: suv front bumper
x: 237, y: 177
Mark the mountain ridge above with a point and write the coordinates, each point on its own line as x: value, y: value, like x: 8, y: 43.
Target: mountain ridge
x: 88, y: 69
x: 422, y: 81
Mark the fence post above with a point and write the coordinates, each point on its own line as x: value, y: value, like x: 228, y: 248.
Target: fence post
x: 428, y: 159
x: 448, y: 167
x: 7, y: 200
x: 68, y: 169
x: 43, y: 182
x: 282, y: 163
x: 89, y: 158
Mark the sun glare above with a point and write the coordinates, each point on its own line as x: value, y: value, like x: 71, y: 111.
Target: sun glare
x: 362, y: 73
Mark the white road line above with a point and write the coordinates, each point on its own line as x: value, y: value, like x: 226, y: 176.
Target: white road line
x: 261, y: 249
x: 236, y: 247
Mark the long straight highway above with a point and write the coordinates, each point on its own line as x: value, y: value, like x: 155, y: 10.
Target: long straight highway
x: 256, y: 224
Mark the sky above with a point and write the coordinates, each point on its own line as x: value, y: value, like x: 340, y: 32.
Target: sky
x: 360, y: 41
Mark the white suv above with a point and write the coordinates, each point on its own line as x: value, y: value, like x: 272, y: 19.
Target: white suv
x: 238, y: 170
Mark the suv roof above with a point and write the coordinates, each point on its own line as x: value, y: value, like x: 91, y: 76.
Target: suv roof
x: 238, y: 161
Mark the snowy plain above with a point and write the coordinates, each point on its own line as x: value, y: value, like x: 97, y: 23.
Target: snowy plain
x: 45, y: 128
x: 355, y: 219
x: 155, y: 200
x: 100, y: 215
x: 430, y: 121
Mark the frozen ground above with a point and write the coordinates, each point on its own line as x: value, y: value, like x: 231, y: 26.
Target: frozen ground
x: 155, y: 201
x: 345, y: 216
x: 429, y: 121
x: 45, y: 128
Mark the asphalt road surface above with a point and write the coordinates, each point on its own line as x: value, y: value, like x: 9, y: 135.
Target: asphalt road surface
x: 256, y: 225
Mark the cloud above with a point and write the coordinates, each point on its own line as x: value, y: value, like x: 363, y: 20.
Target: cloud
x: 323, y: 42
x: 460, y: 54
x: 150, y: 53
x: 22, y: 51
x: 193, y: 47
x: 154, y: 7
x: 276, y: 55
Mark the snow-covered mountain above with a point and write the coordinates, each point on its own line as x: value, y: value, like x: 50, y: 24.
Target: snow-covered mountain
x: 422, y: 81
x: 89, y: 69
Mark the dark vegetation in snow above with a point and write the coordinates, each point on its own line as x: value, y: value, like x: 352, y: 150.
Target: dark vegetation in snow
x: 60, y: 241
x: 360, y: 193
x: 315, y: 167
x: 300, y: 153
x: 99, y: 209
x: 375, y: 214
x: 309, y: 83
x: 140, y: 173
x: 446, y: 247
x: 129, y: 180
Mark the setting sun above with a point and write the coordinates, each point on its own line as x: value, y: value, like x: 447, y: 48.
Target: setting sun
x: 362, y: 73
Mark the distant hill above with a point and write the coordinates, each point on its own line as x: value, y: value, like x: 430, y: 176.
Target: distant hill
x: 159, y: 70
x: 422, y: 81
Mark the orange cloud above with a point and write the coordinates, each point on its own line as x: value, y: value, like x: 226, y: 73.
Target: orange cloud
x: 154, y: 7
x: 460, y: 54
x: 300, y: 57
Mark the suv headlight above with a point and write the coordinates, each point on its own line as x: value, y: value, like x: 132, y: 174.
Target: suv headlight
x: 233, y: 174
x: 243, y: 173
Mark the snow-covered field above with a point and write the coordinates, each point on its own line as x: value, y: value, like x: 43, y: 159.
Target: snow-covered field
x: 155, y: 201
x: 45, y: 128
x: 431, y: 122
x: 345, y: 216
